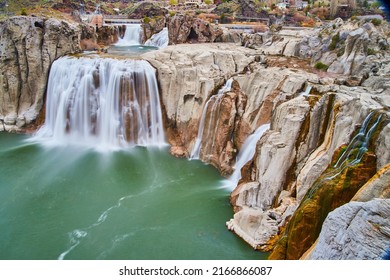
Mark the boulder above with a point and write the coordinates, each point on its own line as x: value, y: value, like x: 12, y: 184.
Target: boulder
x: 185, y: 28
x: 147, y: 9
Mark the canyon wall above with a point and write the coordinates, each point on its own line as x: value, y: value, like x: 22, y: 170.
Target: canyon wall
x: 313, y: 116
x: 28, y: 46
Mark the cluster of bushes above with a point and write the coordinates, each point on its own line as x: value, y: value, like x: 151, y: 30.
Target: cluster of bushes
x: 321, y: 66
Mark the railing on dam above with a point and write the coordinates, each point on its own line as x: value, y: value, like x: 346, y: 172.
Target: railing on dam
x: 107, y: 21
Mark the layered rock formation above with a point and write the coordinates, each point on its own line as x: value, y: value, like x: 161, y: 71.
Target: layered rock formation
x: 28, y: 46
x: 347, y: 48
x: 185, y: 28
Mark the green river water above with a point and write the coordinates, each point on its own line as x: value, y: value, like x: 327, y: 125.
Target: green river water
x: 70, y: 202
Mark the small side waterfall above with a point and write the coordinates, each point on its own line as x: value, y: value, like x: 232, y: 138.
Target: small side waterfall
x: 159, y: 40
x: 212, y: 123
x: 104, y: 102
x: 307, y: 91
x: 131, y: 37
x: 247, y: 152
x: 354, y: 152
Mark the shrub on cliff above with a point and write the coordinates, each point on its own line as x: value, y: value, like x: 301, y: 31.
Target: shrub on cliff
x: 335, y: 41
x: 321, y: 66
x: 376, y: 21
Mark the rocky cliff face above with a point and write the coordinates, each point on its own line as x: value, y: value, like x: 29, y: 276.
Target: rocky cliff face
x: 311, y: 118
x: 183, y: 28
x: 357, y: 230
x: 188, y: 77
x: 28, y: 46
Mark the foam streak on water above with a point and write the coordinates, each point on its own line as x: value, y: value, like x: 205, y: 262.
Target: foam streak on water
x: 77, y: 235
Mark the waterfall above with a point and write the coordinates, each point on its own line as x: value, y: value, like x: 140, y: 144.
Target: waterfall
x: 159, y: 40
x: 307, y: 91
x: 211, y: 125
x: 104, y: 102
x: 360, y: 142
x: 354, y: 152
x: 131, y: 37
x: 247, y: 152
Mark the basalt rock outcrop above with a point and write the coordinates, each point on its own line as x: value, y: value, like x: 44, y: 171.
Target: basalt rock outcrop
x: 354, y: 231
x: 152, y: 26
x: 28, y: 46
x: 147, y: 9
x: 185, y: 28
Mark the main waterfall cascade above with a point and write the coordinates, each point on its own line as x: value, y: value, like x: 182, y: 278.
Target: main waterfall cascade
x: 212, y: 124
x: 105, y: 102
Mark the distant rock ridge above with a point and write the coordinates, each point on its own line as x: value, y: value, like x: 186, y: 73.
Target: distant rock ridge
x: 348, y: 48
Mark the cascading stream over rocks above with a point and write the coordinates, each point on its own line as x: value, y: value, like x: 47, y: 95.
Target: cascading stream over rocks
x: 212, y: 123
x: 106, y: 102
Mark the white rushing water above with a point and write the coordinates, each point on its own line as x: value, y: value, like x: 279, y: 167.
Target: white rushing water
x: 159, y: 40
x: 131, y: 37
x: 307, y: 91
x: 247, y: 152
x: 215, y: 100
x: 102, y: 102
